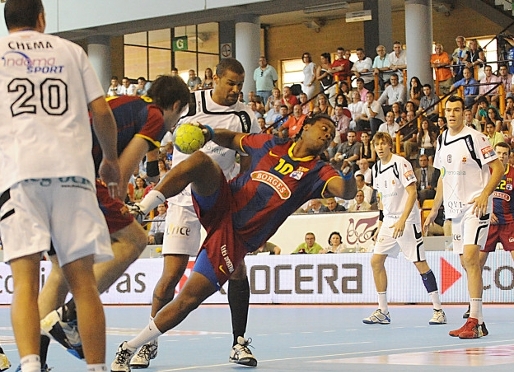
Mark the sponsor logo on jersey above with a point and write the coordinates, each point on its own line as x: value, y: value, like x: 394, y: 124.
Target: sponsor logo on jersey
x: 177, y: 230
x: 511, y: 239
x: 449, y: 158
x: 487, y: 152
x: 274, y: 182
x: 226, y: 258
x: 39, y: 65
x: 502, y: 195
x: 409, y: 175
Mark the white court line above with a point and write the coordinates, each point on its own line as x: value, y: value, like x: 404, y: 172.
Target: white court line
x: 337, y: 344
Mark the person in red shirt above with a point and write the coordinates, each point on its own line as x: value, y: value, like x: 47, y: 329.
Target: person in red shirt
x: 288, y: 98
x: 293, y: 125
x: 341, y: 66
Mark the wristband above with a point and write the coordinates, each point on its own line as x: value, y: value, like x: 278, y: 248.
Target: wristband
x: 210, y: 130
x: 381, y: 215
x: 152, y: 168
x: 151, y: 201
x: 346, y: 175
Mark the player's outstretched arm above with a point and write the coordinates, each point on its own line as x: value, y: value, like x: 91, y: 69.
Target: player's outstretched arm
x: 343, y: 187
x: 228, y: 139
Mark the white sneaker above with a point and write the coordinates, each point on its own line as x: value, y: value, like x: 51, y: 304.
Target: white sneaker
x: 65, y: 333
x: 241, y: 354
x: 142, y: 358
x: 122, y: 359
x: 4, y: 361
x: 378, y: 317
x: 439, y: 317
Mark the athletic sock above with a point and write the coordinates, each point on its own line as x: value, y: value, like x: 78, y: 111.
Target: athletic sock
x: 149, y: 333
x: 239, y: 301
x: 30, y: 363
x: 44, y: 344
x: 97, y: 368
x: 436, y: 301
x: 475, y: 309
x: 382, y: 302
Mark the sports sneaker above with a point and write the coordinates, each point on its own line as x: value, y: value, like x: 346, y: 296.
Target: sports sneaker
x: 378, y: 317
x: 44, y: 368
x: 65, y: 333
x: 4, y: 361
x: 241, y: 354
x: 439, y: 317
x: 466, y: 314
x: 142, y: 358
x: 471, y: 329
x: 122, y: 359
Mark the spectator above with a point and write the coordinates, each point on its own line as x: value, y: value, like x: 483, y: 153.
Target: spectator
x: 476, y: 56
x: 364, y: 169
x: 347, y: 151
x: 397, y: 110
x: 361, y: 89
x: 361, y: 185
x: 341, y: 119
x: 194, y: 82
x: 341, y: 67
x: 309, y: 246
x: 393, y: 93
x: 358, y: 204
x: 355, y: 108
x: 489, y: 87
x: 409, y: 135
x: 381, y: 64
x: 428, y: 103
x: 324, y: 74
x: 127, y: 88
x: 306, y: 106
x: 314, y: 206
x: 460, y: 57
x: 390, y: 126
x: 492, y: 135
x: 265, y: 77
x: 273, y: 249
x: 440, y: 61
x: 115, y: 87
x: 470, y: 121
x: 324, y: 105
x: 310, y: 83
x: 208, y: 79
x: 415, y: 90
x: 273, y: 114
x: 156, y: 233
x: 142, y: 86
x: 469, y: 85
x: 372, y: 115
x: 275, y: 95
x: 139, y: 190
x: 426, y: 179
x: 442, y: 124
x: 332, y: 206
x: 367, y: 151
x: 363, y: 68
x: 506, y: 79
x: 294, y: 123
x: 288, y: 98
x: 335, y: 244
x: 398, y: 58
x: 426, y: 139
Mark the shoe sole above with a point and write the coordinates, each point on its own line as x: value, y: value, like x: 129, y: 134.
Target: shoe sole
x: 249, y: 362
x: 436, y: 323
x: 370, y: 322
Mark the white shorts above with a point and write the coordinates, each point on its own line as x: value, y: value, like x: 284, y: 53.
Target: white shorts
x: 468, y: 229
x: 411, y: 242
x: 182, y: 235
x: 62, y: 210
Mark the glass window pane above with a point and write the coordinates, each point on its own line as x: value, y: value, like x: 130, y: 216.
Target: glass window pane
x: 160, y: 38
x: 208, y: 38
x: 185, y: 61
x: 292, y: 72
x: 135, y: 39
x: 160, y: 62
x: 136, y: 63
x: 204, y: 61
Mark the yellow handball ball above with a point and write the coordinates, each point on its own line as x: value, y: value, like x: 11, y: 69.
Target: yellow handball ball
x: 188, y: 137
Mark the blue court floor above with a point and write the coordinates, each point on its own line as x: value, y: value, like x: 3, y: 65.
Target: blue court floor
x: 307, y: 338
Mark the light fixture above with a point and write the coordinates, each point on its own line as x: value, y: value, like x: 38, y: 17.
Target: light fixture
x: 326, y: 7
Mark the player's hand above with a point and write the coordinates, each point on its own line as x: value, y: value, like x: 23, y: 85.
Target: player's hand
x: 207, y: 133
x: 399, y: 228
x: 110, y: 174
x: 494, y: 219
x: 480, y: 205
x: 429, y: 220
x: 135, y: 210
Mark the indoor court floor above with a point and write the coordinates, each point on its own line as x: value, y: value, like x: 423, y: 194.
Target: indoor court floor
x: 307, y: 338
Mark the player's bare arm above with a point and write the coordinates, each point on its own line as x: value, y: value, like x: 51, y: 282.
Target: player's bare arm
x: 438, y: 200
x: 227, y: 138
x: 480, y: 202
x: 105, y: 130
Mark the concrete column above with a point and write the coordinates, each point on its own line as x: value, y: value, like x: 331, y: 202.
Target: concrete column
x: 418, y: 28
x: 247, y: 48
x: 99, y: 52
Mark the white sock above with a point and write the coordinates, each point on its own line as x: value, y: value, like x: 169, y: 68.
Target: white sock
x: 475, y: 309
x: 149, y: 333
x: 436, y: 301
x: 151, y: 201
x: 96, y: 368
x: 382, y: 302
x: 30, y: 363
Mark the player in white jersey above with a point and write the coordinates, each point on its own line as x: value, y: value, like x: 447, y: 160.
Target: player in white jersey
x: 218, y: 108
x: 470, y: 172
x: 45, y: 155
x: 399, y: 228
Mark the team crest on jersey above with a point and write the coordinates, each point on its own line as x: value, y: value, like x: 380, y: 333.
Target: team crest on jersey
x: 409, y: 175
x: 297, y: 175
x: 508, y: 187
x: 487, y: 152
x: 272, y: 181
